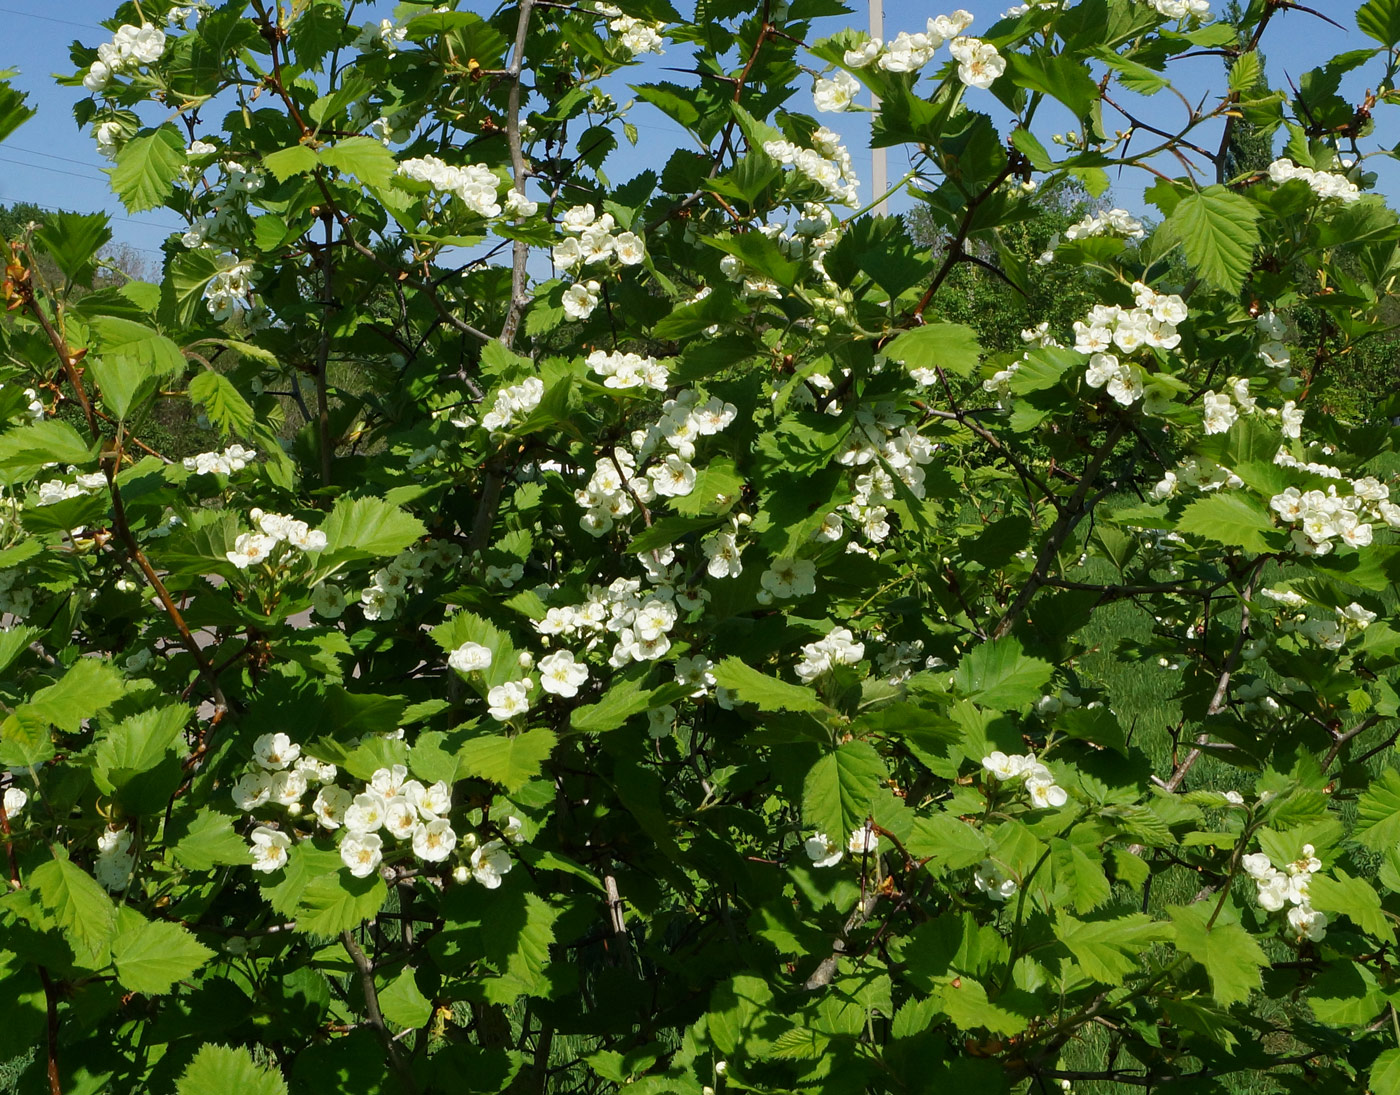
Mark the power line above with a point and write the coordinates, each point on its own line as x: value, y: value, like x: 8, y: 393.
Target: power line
x: 52, y: 156
x: 54, y: 170
x: 51, y: 19
x: 112, y: 216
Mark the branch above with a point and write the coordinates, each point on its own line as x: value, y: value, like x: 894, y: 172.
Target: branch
x: 374, y: 1015
x: 521, y: 251
x: 323, y: 353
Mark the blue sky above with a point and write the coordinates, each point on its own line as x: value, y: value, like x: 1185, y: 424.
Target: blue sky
x: 51, y: 162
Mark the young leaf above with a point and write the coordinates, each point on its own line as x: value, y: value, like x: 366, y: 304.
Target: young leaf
x: 223, y: 403
x: 219, y: 1070
x: 1230, y: 955
x: 1000, y: 675
x: 947, y: 346
x: 764, y: 692
x: 1107, y: 950
x: 509, y: 761
x: 79, y: 905
x: 151, y: 955
x: 839, y: 787
x: 146, y: 166
x: 1218, y: 229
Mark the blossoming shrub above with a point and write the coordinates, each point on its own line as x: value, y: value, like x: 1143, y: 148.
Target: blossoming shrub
x: 686, y: 663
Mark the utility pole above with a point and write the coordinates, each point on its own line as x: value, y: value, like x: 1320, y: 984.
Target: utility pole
x: 878, y: 174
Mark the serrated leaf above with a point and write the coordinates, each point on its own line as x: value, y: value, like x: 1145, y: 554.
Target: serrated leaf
x: 290, y: 161
x: 80, y: 906
x: 151, y: 955
x: 364, y: 157
x: 52, y: 441
x: 1385, y: 1073
x: 88, y: 687
x: 221, y: 1070
x: 138, y: 761
x: 335, y: 902
x: 369, y: 528
x: 1234, y: 519
x: 402, y: 1003
x: 965, y: 1002
x: 1380, y: 19
x: 509, y: 761
x: 1081, y: 874
x: 799, y: 1044
x: 1355, y: 899
x: 764, y: 692
x: 947, y: 346
x: 146, y: 166
x: 838, y: 789
x: 1107, y: 950
x: 1218, y: 230
x: 999, y: 674
x: 223, y: 403
x: 1231, y: 956
x: 1378, y: 812
x: 208, y: 840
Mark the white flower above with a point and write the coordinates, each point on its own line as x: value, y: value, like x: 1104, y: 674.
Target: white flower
x: 1271, y: 891
x: 1307, y: 922
x: 822, y: 850
x: 863, y: 55
x: 1045, y: 795
x: 722, y: 551
x: 400, y: 817
x: 253, y: 789
x: 365, y: 814
x: 629, y: 249
x: 432, y: 801
x: 362, y: 852
x: 470, y: 658
x: 580, y: 299
x: 97, y: 76
x: 1257, y: 866
x: 1220, y: 413
x: 979, y: 63
x: 505, y: 701
x: 275, y: 751
x: 660, y: 720
x: 15, y: 801
x: 250, y: 549
x: 1004, y: 767
x: 433, y: 842
x: 518, y: 205
x: 286, y: 789
x: 672, y: 478
x: 993, y: 881
x: 863, y: 841
x: 790, y: 578
x: 330, y: 806
x: 269, y: 849
x: 490, y: 862
x: 836, y: 94
x: 328, y: 600
x: 560, y: 675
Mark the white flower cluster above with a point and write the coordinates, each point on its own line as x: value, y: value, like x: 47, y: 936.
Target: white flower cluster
x: 1272, y: 352
x: 825, y: 852
x: 629, y: 370
x: 115, y: 860
x: 829, y: 165
x: 252, y: 548
x: 56, y: 490
x: 475, y: 184
x: 615, y: 486
x: 1198, y: 474
x: 1151, y: 323
x: 1275, y: 889
x: 641, y: 622
x: 233, y: 459
x: 1321, y: 519
x: 128, y: 50
x: 1331, y: 634
x: 110, y: 137
x: 1039, y: 780
x: 837, y: 647
x: 1021, y: 9
x: 386, y: 35
x: 910, y: 52
x: 1113, y: 222
x: 979, y: 63
x: 636, y: 35
x: 230, y: 287
x: 1181, y: 9
x: 591, y: 241
x: 34, y: 405
x: 404, y: 574
x: 879, y: 438
x: 1325, y: 184
x: 513, y: 404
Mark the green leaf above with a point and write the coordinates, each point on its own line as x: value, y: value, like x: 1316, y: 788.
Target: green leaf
x: 509, y: 761
x: 73, y: 240
x: 1107, y: 950
x: 146, y: 166
x: 1234, y: 519
x: 1385, y: 1073
x: 189, y: 275
x: 1378, y: 812
x: 1355, y: 899
x: 764, y: 692
x: 15, y: 640
x: 221, y: 1070
x: 151, y: 955
x: 1380, y: 19
x: 364, y: 157
x: 1231, y: 956
x: 138, y: 761
x: 337, y: 901
x: 1081, y: 874
x: 80, y: 906
x: 1062, y: 77
x: 88, y: 687
x: 207, y: 840
x: 223, y: 403
x: 402, y: 1003
x: 626, y: 697
x: 965, y: 1002
x: 839, y: 788
x: 14, y: 112
x: 26, y: 449
x: 368, y: 528
x: 1218, y: 230
x: 1000, y: 675
x: 290, y: 161
x: 947, y: 346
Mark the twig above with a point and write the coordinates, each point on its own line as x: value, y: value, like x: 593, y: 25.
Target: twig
x: 374, y: 1015
x: 521, y: 251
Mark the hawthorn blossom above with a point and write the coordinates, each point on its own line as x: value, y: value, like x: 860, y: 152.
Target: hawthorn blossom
x: 269, y: 849
x: 823, y: 851
x: 508, y: 700
x: 560, y: 675
x: 470, y: 658
x: 490, y: 862
x: 362, y: 852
